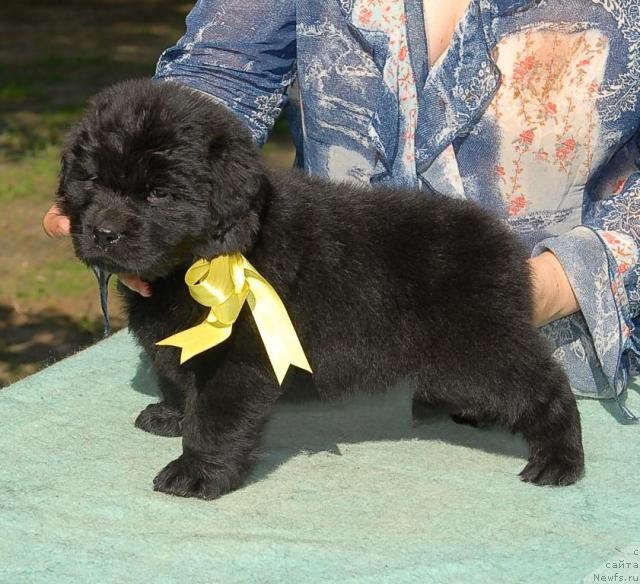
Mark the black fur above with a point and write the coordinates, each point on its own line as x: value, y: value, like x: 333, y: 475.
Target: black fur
x: 381, y: 285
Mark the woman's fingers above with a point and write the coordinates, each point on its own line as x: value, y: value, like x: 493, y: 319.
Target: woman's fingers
x: 55, y: 224
x: 136, y: 284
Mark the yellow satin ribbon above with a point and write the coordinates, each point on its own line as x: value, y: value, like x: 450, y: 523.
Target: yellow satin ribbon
x: 224, y: 284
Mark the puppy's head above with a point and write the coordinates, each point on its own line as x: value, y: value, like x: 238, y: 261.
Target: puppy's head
x: 156, y: 174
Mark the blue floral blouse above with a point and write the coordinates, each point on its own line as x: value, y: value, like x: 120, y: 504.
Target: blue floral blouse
x: 533, y: 112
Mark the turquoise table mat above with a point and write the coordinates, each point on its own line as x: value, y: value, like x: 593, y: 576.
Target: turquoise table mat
x: 344, y: 492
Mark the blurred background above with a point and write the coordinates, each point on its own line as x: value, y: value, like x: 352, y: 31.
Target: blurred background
x: 54, y: 54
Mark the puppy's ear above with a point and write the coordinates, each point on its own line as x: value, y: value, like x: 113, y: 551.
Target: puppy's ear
x: 66, y: 161
x: 63, y: 176
x: 61, y: 198
x: 239, y: 189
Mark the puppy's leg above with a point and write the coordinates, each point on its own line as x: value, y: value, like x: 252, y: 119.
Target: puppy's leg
x: 515, y: 382
x: 530, y: 394
x: 552, y: 428
x: 221, y: 431
x: 164, y: 418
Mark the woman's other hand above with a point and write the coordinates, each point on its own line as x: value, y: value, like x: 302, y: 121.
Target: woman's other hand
x: 553, y: 296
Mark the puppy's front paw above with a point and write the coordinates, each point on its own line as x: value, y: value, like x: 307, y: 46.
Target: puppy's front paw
x: 160, y: 419
x: 189, y: 476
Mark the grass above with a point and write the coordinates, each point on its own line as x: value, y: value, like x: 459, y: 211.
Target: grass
x: 15, y: 92
x: 55, y: 279
x: 31, y: 178
x: 26, y: 133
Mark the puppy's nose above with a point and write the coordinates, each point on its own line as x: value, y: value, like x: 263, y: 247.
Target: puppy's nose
x: 105, y: 237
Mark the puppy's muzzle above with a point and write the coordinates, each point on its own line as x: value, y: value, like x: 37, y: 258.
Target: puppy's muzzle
x: 105, y: 238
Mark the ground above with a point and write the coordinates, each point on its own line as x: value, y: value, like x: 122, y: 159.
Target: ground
x: 53, y: 57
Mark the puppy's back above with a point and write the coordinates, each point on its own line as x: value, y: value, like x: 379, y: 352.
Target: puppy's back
x: 393, y: 229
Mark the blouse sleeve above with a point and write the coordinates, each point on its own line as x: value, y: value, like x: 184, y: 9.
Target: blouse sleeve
x: 601, y: 260
x: 240, y: 53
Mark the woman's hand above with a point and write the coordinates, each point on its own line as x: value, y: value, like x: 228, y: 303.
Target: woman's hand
x: 55, y: 224
x: 553, y: 296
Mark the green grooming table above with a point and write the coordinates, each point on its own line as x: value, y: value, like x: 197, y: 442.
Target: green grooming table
x: 344, y: 492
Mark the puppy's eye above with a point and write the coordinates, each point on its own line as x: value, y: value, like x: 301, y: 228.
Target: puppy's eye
x: 156, y: 196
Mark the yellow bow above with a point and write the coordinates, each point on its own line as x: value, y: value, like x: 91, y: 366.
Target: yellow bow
x: 224, y: 284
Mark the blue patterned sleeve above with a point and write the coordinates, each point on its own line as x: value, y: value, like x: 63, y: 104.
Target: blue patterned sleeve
x: 241, y: 53
x: 601, y: 260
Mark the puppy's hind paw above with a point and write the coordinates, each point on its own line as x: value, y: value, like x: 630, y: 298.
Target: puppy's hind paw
x: 552, y: 470
x: 188, y: 476
x: 160, y: 419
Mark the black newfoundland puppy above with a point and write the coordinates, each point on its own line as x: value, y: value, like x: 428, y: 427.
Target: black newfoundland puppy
x: 381, y: 285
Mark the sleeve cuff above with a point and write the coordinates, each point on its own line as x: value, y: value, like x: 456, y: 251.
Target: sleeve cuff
x: 599, y: 288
